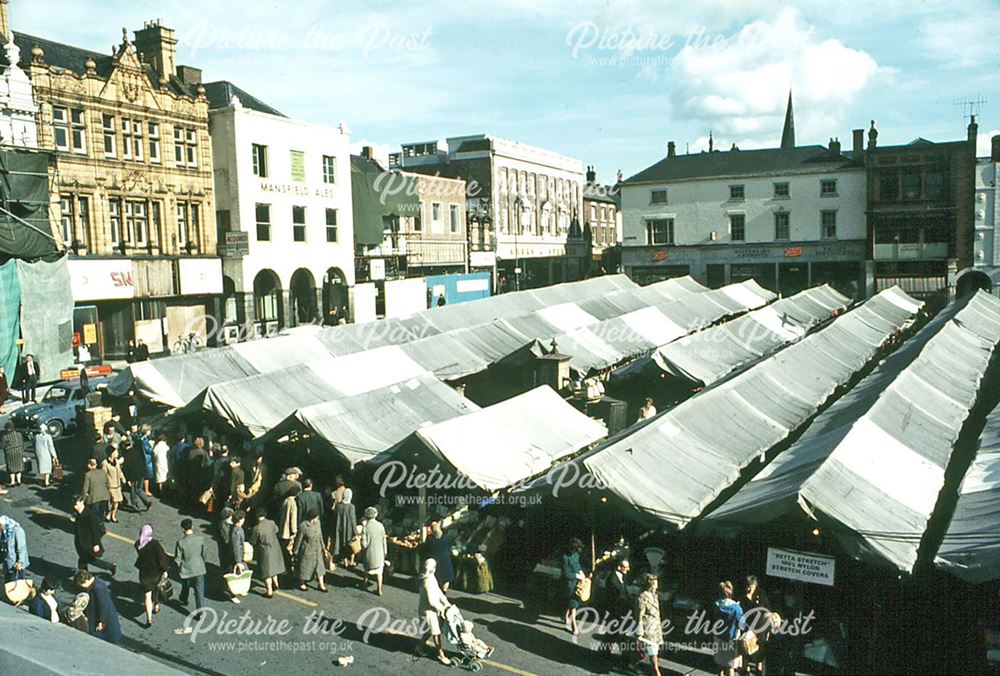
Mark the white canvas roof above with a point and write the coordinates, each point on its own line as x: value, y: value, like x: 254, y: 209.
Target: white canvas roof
x: 971, y: 545
x: 504, y: 444
x: 673, y: 467
x: 365, y: 425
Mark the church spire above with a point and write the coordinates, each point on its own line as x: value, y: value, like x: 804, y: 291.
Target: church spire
x: 788, y: 132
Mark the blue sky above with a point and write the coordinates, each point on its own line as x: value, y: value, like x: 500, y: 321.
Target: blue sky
x: 605, y: 81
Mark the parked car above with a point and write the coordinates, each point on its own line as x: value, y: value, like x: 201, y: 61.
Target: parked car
x: 59, y: 409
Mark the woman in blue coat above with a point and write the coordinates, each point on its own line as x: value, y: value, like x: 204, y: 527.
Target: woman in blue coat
x: 13, y: 549
x: 147, y: 452
x: 102, y: 615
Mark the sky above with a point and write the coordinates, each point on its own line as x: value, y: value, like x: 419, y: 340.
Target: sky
x: 608, y: 82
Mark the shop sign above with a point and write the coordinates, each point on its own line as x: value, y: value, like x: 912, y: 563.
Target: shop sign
x: 800, y: 566
x: 200, y: 276
x: 660, y: 256
x: 482, y: 259
x: 237, y: 244
x: 376, y: 271
x: 751, y: 252
x: 101, y: 279
x: 793, y: 252
x: 89, y: 334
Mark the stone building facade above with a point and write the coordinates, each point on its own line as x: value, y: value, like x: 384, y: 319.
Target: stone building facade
x: 131, y: 185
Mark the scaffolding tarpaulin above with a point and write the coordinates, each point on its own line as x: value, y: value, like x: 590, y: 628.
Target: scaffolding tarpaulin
x: 10, y: 322
x: 47, y: 312
x: 25, y: 231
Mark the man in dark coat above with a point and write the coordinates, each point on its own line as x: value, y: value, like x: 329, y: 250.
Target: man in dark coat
x: 308, y: 501
x: 130, y: 352
x: 618, y: 604
x: 141, y: 351
x: 87, y: 533
x: 135, y: 472
x: 31, y: 373
x: 102, y: 615
x: 288, y: 485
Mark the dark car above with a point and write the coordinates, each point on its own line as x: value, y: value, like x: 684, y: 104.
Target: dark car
x: 59, y: 409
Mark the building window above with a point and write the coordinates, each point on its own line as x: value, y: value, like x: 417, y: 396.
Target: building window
x: 154, y: 142
x: 108, y: 127
x: 60, y: 127
x: 828, y: 220
x: 66, y: 219
x: 737, y: 227
x: 781, y: 227
x: 435, y: 213
x: 182, y: 225
x: 132, y: 145
x: 888, y: 186
x: 78, y: 131
x: 417, y: 224
x: 135, y: 222
x: 194, y: 229
x: 331, y: 225
x: 934, y: 185
x: 115, y: 220
x: 155, y: 225
x: 185, y: 147
x: 911, y: 185
x: 660, y: 231
x: 736, y: 193
x: 453, y: 218
x: 828, y: 187
x: 259, y: 153
x: 781, y: 191
x: 657, y: 196
x: 298, y: 160
x: 329, y: 169
x: 298, y: 224
x: 263, y: 222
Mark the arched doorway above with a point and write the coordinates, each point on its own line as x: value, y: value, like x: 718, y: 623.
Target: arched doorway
x: 267, y: 296
x: 230, y: 302
x: 334, y: 296
x: 972, y: 281
x: 302, y: 296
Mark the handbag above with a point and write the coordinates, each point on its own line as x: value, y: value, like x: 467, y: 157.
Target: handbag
x: 57, y: 471
x: 583, y: 589
x: 328, y: 563
x: 747, y: 643
x: 355, y: 545
x: 165, y: 587
x: 206, y: 497
x: 17, y: 591
x: 388, y: 570
x: 238, y: 582
x: 247, y: 552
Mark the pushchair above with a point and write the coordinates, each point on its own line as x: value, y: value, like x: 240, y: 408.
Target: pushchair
x: 458, y: 631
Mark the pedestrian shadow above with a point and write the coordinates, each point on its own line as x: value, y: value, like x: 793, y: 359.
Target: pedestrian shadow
x: 52, y: 521
x: 544, y: 645
x: 499, y: 608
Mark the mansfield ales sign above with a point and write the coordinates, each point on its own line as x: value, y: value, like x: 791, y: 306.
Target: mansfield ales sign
x: 801, y: 566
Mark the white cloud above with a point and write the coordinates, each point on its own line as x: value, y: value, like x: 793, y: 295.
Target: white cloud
x: 984, y: 142
x: 739, y: 90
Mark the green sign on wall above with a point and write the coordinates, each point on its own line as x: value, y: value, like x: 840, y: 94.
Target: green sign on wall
x: 298, y: 166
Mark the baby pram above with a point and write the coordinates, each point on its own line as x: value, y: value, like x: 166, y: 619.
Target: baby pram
x: 459, y: 632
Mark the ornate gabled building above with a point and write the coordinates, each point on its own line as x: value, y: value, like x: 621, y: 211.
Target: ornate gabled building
x: 131, y: 184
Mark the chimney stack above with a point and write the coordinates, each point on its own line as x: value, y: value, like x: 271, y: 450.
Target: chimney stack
x: 671, y: 149
x: 973, y: 133
x: 368, y: 153
x: 859, y: 140
x: 995, y: 150
x: 872, y: 137
x: 835, y: 145
x: 189, y: 75
x: 591, y: 175
x: 157, y: 44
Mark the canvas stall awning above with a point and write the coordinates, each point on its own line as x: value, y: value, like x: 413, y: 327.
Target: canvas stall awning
x: 501, y: 445
x: 773, y: 493
x: 709, y: 355
x: 881, y: 482
x: 971, y: 546
x: 671, y: 468
x: 361, y: 427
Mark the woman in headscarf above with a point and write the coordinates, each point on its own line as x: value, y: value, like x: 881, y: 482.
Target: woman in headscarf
x: 309, y: 552
x: 13, y: 451
x: 345, y: 520
x: 112, y: 466
x: 373, y: 548
x: 431, y: 607
x: 45, y: 453
x: 153, y: 564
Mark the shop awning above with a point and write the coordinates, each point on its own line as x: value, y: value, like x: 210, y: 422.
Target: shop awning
x: 672, y: 467
x: 501, y: 445
x: 365, y: 425
x: 971, y: 546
